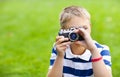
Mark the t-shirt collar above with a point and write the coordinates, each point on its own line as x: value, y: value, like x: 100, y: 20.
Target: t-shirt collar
x: 85, y: 56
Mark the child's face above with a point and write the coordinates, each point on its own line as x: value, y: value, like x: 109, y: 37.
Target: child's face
x: 79, y: 22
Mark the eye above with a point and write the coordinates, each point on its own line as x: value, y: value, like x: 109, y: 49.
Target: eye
x: 85, y: 27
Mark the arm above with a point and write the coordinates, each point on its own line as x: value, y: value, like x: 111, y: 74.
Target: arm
x: 99, y: 67
x: 57, y: 68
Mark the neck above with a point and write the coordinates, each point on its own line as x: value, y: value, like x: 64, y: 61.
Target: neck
x: 77, y: 50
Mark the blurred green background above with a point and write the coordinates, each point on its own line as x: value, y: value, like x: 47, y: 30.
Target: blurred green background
x: 28, y: 29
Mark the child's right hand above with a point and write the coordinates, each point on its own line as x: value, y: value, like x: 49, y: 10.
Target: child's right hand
x: 61, y: 45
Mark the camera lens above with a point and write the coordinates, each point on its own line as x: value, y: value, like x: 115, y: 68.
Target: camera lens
x: 73, y: 36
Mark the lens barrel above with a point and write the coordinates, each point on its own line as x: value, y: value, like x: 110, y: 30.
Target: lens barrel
x: 73, y: 36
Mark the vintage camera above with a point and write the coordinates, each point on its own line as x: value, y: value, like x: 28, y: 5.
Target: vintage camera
x: 69, y: 33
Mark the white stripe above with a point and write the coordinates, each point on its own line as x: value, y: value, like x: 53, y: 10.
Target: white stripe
x: 105, y: 47
x: 100, y: 50
x: 54, y: 47
x: 108, y: 67
x: 70, y: 75
x: 108, y: 58
x: 50, y: 67
x: 53, y: 56
x: 77, y: 65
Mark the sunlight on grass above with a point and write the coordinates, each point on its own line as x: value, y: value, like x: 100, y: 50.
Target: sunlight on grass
x: 28, y: 30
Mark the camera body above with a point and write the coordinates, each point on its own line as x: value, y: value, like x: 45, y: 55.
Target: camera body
x: 69, y: 33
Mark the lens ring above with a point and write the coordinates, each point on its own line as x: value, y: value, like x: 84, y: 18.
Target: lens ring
x: 73, y: 36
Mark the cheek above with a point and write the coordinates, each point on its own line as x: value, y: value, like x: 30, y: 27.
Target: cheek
x: 89, y: 30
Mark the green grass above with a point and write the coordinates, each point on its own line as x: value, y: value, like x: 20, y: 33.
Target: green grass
x: 28, y: 30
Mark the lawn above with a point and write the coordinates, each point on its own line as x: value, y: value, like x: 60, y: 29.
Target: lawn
x: 28, y: 29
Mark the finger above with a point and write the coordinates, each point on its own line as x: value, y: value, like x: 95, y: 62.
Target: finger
x: 80, y: 31
x: 59, y: 37
x: 61, y: 40
x: 62, y: 47
x: 65, y: 43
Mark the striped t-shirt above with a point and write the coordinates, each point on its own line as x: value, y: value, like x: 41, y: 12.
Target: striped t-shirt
x: 80, y: 65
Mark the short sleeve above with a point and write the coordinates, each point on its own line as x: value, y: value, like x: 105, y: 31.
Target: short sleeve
x: 53, y: 56
x: 106, y: 56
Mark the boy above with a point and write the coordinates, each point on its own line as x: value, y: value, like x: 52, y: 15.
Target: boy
x: 79, y: 58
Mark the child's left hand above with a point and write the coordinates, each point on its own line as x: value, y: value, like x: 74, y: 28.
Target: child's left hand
x: 87, y: 42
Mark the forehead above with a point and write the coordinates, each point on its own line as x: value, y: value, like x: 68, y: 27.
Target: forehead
x: 77, y: 22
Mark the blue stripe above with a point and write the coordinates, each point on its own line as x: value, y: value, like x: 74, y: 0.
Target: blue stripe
x: 77, y: 72
x: 105, y: 53
x: 77, y: 60
x: 52, y: 62
x: 98, y: 45
x: 54, y: 51
x: 107, y: 62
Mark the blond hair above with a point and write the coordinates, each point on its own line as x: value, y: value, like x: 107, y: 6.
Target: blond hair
x: 72, y: 11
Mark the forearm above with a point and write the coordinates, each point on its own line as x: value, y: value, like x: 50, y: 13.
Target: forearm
x: 99, y: 67
x: 57, y: 68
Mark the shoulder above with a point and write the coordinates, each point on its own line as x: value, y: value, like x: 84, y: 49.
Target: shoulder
x: 104, y: 49
x: 103, y: 46
x: 105, y: 53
